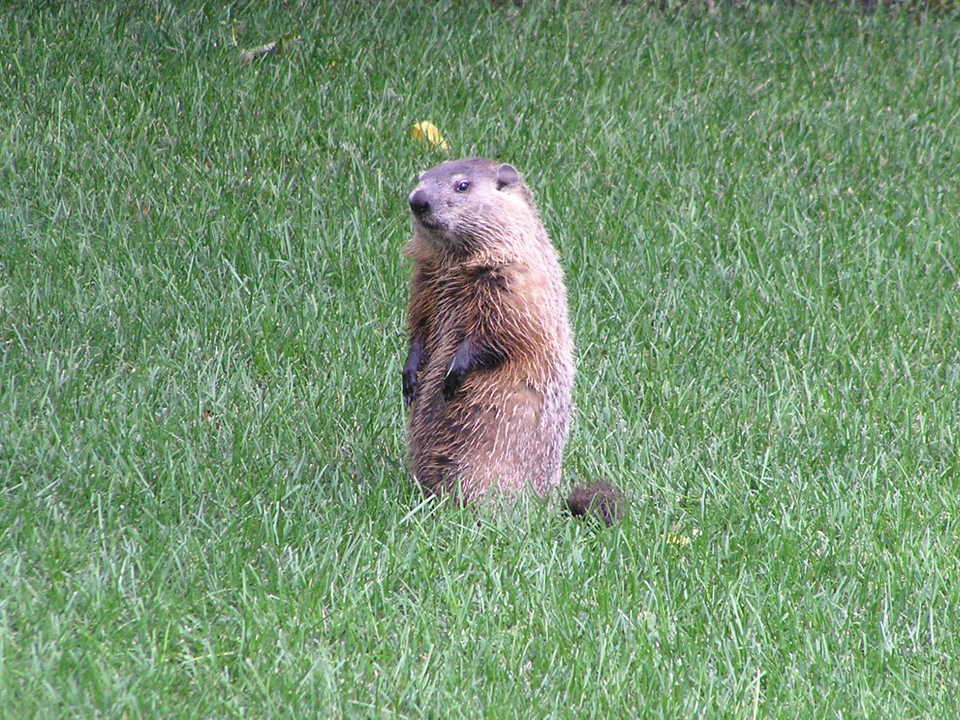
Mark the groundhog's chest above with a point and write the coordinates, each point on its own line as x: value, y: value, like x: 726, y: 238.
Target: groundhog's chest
x: 513, y: 308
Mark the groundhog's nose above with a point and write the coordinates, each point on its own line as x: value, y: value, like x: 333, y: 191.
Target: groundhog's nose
x: 418, y: 202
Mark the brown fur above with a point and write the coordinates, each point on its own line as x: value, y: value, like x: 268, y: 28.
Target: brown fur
x: 490, y: 388
x: 601, y: 500
x: 489, y: 375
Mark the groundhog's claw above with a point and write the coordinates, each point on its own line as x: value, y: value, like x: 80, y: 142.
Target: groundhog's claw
x: 452, y: 383
x: 461, y: 364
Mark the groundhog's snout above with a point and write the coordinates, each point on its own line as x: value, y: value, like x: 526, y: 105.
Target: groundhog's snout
x: 419, y: 202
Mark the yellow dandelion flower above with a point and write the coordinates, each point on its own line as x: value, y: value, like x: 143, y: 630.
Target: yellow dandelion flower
x: 428, y: 133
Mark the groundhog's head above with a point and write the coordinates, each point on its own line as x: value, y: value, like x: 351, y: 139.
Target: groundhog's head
x: 462, y: 202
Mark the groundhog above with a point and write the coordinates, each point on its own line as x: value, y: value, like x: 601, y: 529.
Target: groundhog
x: 489, y: 374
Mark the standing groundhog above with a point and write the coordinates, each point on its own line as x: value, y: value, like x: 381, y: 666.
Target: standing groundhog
x: 489, y: 375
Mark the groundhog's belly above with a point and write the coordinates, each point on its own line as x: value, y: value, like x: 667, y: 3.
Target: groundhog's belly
x: 490, y: 437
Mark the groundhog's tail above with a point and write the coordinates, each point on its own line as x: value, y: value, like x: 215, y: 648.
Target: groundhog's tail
x: 600, y: 500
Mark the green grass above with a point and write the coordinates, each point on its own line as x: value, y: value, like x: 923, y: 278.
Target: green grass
x: 203, y: 505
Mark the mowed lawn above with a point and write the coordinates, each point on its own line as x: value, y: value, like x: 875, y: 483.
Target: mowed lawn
x: 204, y: 511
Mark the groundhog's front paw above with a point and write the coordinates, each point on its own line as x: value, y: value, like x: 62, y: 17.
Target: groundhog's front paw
x: 409, y: 386
x: 452, y: 383
x: 410, y: 369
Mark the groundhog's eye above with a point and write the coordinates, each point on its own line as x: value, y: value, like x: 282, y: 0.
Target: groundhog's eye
x: 462, y: 186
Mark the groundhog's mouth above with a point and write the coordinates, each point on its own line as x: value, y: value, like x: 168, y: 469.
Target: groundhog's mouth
x: 428, y: 221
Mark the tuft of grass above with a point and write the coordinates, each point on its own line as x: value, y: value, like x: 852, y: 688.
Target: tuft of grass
x: 203, y: 505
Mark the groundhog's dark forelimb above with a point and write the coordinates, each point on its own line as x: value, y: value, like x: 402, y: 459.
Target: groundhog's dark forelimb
x: 472, y: 354
x: 460, y: 365
x: 410, y: 369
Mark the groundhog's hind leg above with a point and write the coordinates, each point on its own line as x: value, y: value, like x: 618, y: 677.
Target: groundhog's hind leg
x: 508, y: 456
x: 438, y: 474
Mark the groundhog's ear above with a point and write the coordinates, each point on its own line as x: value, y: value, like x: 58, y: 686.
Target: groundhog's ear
x: 507, y: 176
